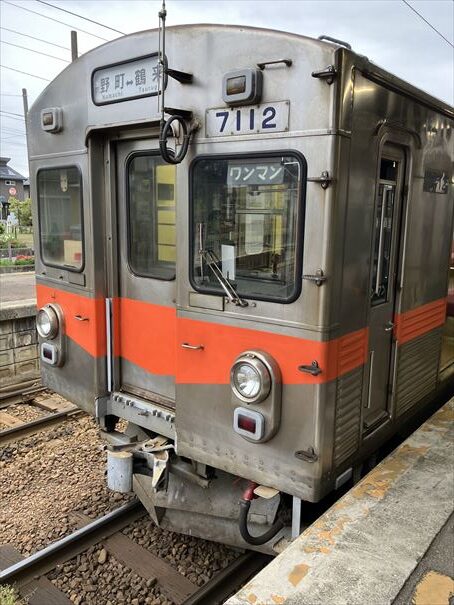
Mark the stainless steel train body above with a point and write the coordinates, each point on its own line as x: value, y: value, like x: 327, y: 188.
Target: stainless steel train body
x: 271, y: 308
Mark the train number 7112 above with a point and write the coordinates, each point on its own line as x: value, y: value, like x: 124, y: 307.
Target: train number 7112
x: 245, y: 120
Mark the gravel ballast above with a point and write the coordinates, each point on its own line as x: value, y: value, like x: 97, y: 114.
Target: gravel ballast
x: 47, y: 477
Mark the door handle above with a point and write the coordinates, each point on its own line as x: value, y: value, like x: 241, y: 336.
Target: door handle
x: 81, y: 318
x: 186, y: 345
x: 389, y: 326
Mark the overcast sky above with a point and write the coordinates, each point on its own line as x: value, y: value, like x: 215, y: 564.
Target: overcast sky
x: 388, y: 32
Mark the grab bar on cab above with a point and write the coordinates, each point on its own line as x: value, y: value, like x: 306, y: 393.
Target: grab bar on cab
x: 186, y: 345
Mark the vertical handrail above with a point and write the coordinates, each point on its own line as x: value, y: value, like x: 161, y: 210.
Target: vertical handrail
x: 109, y: 352
x: 371, y: 369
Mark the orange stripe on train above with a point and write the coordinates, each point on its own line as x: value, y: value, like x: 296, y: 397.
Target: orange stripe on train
x: 145, y: 334
x: 222, y: 344
x: 150, y: 336
x: 90, y: 334
x: 416, y: 322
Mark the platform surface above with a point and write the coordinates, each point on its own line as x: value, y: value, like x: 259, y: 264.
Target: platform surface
x: 17, y: 287
x: 388, y: 540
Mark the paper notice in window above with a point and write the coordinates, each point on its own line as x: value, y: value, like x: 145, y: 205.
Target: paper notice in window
x: 228, y: 261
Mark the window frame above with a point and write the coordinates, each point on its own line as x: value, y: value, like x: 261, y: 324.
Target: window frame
x: 82, y: 218
x: 129, y: 160
x: 300, y: 220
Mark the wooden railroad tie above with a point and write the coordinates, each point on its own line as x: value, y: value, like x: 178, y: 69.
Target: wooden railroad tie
x: 38, y: 591
x: 145, y: 564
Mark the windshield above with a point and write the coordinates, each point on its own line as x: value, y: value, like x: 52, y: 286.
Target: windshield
x: 245, y: 215
x: 60, y: 217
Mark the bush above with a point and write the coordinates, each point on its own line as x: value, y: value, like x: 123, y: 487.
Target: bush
x: 9, y: 596
x: 6, y: 239
x: 19, y: 261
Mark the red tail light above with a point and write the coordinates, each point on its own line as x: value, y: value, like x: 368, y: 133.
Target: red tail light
x: 247, y: 424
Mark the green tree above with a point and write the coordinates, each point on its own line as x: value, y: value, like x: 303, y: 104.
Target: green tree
x: 22, y: 210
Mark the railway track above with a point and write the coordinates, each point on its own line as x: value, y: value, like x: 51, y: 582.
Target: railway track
x: 29, y: 574
x: 40, y: 400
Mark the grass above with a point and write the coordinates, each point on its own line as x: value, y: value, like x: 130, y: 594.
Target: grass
x: 9, y: 596
x: 24, y: 261
x: 24, y: 240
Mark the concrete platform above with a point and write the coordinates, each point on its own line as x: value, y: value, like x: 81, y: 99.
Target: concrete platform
x: 388, y: 540
x: 18, y: 287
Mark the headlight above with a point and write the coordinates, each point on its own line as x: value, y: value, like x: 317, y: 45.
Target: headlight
x: 250, y: 380
x: 47, y: 322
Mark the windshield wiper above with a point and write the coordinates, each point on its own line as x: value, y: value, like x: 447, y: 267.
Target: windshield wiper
x: 213, y: 263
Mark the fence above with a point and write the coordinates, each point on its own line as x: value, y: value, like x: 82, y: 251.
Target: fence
x: 11, y: 253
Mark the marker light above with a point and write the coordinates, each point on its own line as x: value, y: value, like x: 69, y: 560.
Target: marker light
x: 235, y: 86
x: 47, y: 322
x: 248, y: 423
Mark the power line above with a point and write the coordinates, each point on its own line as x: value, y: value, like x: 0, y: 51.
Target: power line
x: 13, y: 31
x: 34, y: 51
x: 14, y: 142
x: 427, y: 22
x: 11, y: 117
x: 25, y: 73
x: 10, y: 113
x: 64, y: 10
x: 56, y: 20
x: 8, y: 94
x: 12, y: 131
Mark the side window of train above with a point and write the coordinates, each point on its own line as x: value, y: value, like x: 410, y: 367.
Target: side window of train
x: 384, y: 216
x: 246, y: 218
x: 60, y: 217
x: 151, y: 216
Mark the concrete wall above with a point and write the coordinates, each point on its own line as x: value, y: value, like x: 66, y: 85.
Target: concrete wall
x: 19, y: 360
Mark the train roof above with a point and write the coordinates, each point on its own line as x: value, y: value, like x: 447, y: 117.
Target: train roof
x: 368, y: 68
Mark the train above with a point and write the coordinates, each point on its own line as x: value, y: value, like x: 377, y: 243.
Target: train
x: 242, y: 267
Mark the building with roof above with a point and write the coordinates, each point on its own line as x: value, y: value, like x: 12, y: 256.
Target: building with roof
x: 11, y: 185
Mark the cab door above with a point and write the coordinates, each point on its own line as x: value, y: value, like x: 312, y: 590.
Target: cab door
x: 144, y: 312
x: 384, y: 268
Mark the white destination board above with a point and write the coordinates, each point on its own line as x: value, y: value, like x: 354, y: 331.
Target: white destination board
x: 264, y: 118
x: 129, y: 80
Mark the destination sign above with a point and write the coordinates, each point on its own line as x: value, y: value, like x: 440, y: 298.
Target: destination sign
x: 125, y: 81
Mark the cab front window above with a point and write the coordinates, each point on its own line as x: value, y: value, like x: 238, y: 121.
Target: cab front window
x: 60, y: 217
x: 247, y: 220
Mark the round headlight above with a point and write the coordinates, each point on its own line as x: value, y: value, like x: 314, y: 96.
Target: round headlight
x: 47, y: 322
x: 250, y: 380
x: 247, y: 380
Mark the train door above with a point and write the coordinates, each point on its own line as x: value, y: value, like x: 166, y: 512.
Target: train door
x: 144, y: 313
x: 384, y: 266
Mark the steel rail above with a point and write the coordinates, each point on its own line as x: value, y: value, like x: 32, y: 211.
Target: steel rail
x: 45, y: 560
x: 229, y: 579
x: 28, y: 428
x: 26, y: 389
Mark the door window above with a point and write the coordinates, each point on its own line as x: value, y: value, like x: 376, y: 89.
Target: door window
x: 384, y: 215
x: 151, y: 217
